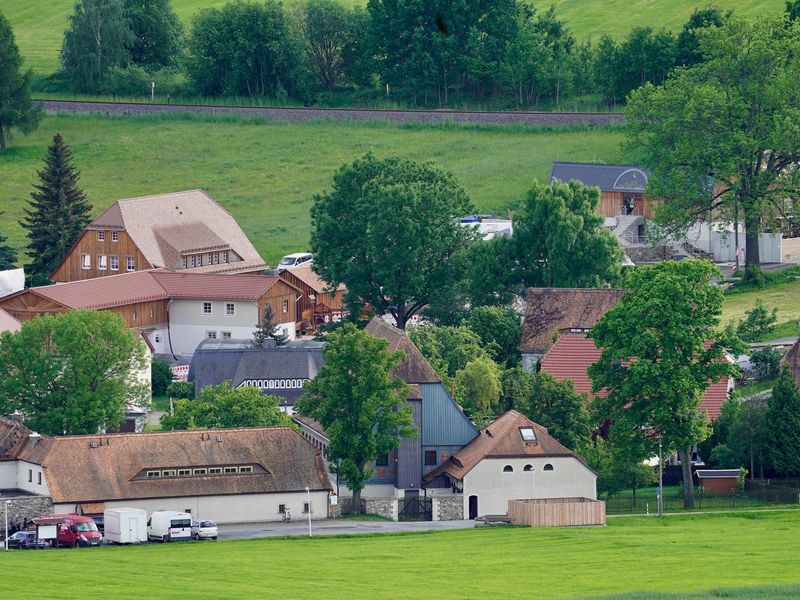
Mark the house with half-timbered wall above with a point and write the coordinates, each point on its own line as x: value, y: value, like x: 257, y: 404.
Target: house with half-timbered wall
x: 182, y: 231
x: 175, y: 310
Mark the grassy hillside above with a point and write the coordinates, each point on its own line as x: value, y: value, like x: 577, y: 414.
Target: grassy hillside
x: 39, y: 25
x: 266, y: 174
x: 675, y: 555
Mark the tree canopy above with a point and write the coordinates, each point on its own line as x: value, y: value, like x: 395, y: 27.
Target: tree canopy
x: 8, y: 256
x: 557, y: 406
x: 58, y: 212
x: 478, y: 388
x: 156, y: 32
x: 722, y: 137
x: 223, y: 406
x: 449, y: 348
x: 72, y: 373
x: 659, y: 356
x: 386, y: 230
x: 783, y: 432
x: 361, y: 407
x: 500, y: 331
x: 16, y: 107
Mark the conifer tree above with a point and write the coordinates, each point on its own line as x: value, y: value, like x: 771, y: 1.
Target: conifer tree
x: 16, y: 108
x: 8, y: 256
x: 268, y: 330
x: 58, y: 212
x: 783, y: 418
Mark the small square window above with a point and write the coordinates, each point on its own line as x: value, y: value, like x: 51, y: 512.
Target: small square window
x: 115, y: 236
x: 86, y: 261
x: 382, y: 460
x: 230, y: 470
x: 199, y: 471
x: 211, y: 335
x: 527, y: 434
x: 230, y: 309
x: 206, y: 308
x: 281, y: 509
x: 130, y: 263
x: 285, y: 306
x: 114, y: 262
x: 245, y: 469
x: 226, y: 335
x: 184, y: 472
x: 101, y: 236
x: 430, y: 458
x: 102, y: 262
x: 215, y: 471
x: 168, y: 473
x: 154, y: 474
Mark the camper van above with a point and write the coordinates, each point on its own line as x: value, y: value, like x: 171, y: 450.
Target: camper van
x: 125, y: 525
x: 168, y: 526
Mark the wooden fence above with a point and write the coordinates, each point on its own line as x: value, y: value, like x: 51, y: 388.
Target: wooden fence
x: 557, y: 512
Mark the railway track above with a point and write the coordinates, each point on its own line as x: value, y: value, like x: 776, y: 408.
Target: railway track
x: 299, y: 114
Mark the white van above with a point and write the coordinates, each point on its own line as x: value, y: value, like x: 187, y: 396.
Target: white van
x: 125, y: 525
x: 294, y: 260
x: 168, y: 525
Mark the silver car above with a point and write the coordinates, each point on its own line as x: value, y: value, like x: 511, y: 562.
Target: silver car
x: 204, y: 530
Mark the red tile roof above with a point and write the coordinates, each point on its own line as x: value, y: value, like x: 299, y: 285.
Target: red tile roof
x: 200, y: 285
x: 572, y: 354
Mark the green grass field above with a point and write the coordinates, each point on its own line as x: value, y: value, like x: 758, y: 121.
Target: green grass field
x: 266, y: 173
x: 782, y: 292
x: 39, y: 24
x: 676, y: 557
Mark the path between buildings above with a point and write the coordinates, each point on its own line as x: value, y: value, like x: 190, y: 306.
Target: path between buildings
x: 299, y: 527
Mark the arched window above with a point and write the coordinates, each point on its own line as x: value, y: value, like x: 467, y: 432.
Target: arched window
x: 548, y: 467
x: 508, y: 469
x: 271, y: 383
x: 528, y: 468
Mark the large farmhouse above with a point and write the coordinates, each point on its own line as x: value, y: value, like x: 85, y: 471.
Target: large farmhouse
x: 227, y: 475
x: 178, y: 231
x: 175, y: 310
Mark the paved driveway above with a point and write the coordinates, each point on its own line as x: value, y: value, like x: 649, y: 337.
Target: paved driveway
x: 333, y: 527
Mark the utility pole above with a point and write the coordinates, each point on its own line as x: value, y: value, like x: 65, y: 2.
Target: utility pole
x: 660, y: 482
x: 308, y: 493
x: 5, y: 537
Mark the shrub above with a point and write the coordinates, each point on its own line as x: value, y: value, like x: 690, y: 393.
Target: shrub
x: 180, y: 389
x: 766, y: 362
x: 160, y: 376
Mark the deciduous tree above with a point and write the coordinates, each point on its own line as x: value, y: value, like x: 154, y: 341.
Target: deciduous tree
x: 722, y: 137
x: 223, y: 406
x: 687, y: 46
x: 361, y: 407
x: 757, y: 323
x: 98, y: 38
x: 58, y: 212
x: 328, y: 32
x: 16, y: 107
x: 448, y: 349
x: 72, y: 373
x: 556, y: 405
x: 500, y: 330
x: 478, y: 388
x: 157, y: 32
x: 656, y: 362
x: 386, y: 230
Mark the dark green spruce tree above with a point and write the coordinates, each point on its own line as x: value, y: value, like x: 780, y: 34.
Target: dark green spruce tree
x: 16, y: 108
x: 8, y: 256
x: 268, y: 330
x: 57, y: 215
x: 783, y: 418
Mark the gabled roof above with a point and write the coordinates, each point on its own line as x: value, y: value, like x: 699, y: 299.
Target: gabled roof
x: 609, y: 178
x: 284, y: 461
x: 13, y: 436
x: 8, y: 323
x: 413, y: 368
x: 165, y: 225
x: 157, y: 284
x: 306, y: 274
x: 792, y: 360
x: 501, y: 439
x: 551, y: 311
x: 573, y: 354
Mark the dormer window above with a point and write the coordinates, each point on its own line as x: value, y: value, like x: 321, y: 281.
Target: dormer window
x: 527, y: 434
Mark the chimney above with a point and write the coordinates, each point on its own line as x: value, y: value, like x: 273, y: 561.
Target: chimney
x: 34, y: 438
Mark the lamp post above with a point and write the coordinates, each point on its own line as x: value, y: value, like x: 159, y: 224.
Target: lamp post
x: 5, y: 537
x: 308, y: 493
x: 660, y: 482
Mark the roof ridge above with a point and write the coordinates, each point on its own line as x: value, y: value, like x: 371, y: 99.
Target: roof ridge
x: 94, y: 436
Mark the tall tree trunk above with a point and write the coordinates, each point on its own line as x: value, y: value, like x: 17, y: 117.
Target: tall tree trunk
x: 752, y: 259
x: 686, y: 470
x: 2, y: 139
x: 356, y: 508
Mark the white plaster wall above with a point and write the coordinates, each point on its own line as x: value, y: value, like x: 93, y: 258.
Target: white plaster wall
x: 494, y: 488
x: 371, y: 491
x: 21, y: 475
x: 8, y: 475
x: 241, y: 508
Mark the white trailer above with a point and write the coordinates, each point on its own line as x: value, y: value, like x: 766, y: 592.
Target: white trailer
x: 125, y: 525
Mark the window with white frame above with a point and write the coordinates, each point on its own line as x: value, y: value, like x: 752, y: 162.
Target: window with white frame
x: 225, y: 256
x: 230, y: 309
x: 130, y: 263
x: 86, y: 261
x: 206, y: 307
x: 115, y: 236
x: 226, y: 335
x: 102, y: 262
x: 210, y: 258
x: 114, y: 260
x: 183, y: 262
x: 101, y: 236
x: 211, y: 335
x: 285, y: 306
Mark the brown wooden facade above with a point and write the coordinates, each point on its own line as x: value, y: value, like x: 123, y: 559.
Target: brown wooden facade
x: 279, y: 296
x: 613, y: 204
x: 315, y: 302
x: 90, y: 244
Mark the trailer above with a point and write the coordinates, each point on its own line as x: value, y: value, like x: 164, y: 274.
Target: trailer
x: 125, y: 525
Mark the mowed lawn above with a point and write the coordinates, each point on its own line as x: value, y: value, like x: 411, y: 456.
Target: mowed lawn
x: 39, y: 24
x: 266, y: 173
x: 678, y: 554
x: 783, y: 296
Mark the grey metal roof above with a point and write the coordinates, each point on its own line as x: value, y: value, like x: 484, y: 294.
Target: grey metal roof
x: 236, y: 362
x: 443, y: 423
x: 609, y: 178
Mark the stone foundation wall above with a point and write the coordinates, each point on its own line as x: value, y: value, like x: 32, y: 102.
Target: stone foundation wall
x: 384, y: 507
x: 24, y: 507
x: 448, y: 508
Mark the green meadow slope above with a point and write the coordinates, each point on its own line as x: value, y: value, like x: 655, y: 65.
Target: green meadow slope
x: 39, y: 24
x: 675, y: 557
x: 266, y: 173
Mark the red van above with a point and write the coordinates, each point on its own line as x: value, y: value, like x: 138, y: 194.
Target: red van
x: 73, y: 530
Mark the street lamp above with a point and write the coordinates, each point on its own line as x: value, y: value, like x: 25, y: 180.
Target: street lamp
x: 660, y: 482
x: 308, y: 493
x: 5, y: 537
